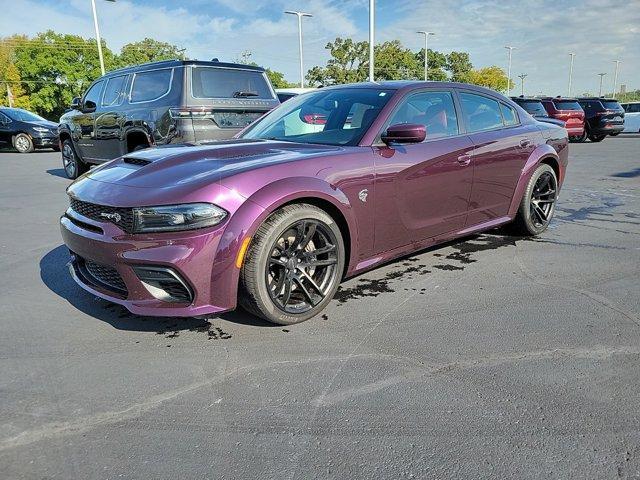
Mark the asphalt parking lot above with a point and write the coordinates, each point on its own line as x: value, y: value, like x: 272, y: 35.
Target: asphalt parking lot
x: 494, y: 357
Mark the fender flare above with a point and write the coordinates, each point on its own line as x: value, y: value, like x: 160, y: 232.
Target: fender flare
x: 539, y: 155
x: 246, y: 220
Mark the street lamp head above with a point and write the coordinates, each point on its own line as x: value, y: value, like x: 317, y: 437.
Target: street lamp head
x: 423, y: 32
x: 300, y: 14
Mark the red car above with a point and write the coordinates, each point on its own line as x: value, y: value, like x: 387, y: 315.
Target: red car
x: 569, y: 111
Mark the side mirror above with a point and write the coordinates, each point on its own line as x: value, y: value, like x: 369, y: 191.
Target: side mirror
x: 75, y: 103
x: 405, y: 133
x: 89, y: 106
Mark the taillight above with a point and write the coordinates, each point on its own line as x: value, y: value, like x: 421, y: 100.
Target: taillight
x: 190, y: 112
x: 315, y: 119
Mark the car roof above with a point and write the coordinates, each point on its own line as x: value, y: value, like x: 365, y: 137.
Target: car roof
x: 559, y: 99
x: 415, y: 84
x: 179, y: 63
x: 603, y: 99
x: 526, y: 99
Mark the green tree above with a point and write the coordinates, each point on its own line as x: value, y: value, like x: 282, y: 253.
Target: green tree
x: 458, y: 65
x: 147, y: 50
x: 277, y: 79
x: 57, y: 67
x: 348, y: 64
x: 437, y: 65
x: 491, y: 77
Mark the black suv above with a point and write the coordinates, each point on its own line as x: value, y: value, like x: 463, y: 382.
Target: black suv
x: 25, y: 131
x: 602, y: 117
x: 174, y: 101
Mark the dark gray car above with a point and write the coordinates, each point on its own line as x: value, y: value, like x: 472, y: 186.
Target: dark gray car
x: 175, y: 101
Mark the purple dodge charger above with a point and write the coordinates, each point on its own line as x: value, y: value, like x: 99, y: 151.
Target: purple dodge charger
x: 327, y: 185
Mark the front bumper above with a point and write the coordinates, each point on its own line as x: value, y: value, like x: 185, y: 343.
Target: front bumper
x: 45, y: 142
x: 189, y: 254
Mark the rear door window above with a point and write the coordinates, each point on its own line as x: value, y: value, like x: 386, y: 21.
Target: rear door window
x: 481, y: 113
x: 114, y: 91
x: 217, y: 82
x: 509, y: 115
x: 151, y: 85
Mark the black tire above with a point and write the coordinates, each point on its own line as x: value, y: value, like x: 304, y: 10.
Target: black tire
x: 597, y: 138
x: 282, y: 280
x: 56, y: 148
x: 72, y: 165
x: 538, y: 202
x: 23, y: 143
x: 615, y: 134
x: 580, y: 138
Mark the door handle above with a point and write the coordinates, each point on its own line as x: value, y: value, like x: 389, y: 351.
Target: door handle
x: 524, y: 143
x: 464, y: 160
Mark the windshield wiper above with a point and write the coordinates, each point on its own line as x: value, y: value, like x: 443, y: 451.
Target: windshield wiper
x: 240, y: 94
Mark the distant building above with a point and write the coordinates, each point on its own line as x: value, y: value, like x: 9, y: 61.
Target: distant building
x: 623, y: 89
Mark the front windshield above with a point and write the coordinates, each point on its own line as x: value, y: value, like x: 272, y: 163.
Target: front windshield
x: 24, y: 116
x: 329, y: 117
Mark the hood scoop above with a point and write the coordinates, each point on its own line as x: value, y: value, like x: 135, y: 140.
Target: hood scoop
x: 136, y: 161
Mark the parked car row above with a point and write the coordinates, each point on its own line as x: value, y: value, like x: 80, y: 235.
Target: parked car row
x: 584, y: 117
x: 631, y: 117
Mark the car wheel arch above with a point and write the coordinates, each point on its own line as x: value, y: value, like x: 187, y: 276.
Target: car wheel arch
x: 245, y: 221
x: 544, y: 153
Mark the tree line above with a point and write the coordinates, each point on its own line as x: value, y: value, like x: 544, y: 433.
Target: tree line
x: 45, y: 72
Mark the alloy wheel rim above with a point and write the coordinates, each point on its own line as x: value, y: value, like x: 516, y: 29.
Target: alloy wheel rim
x: 22, y: 144
x: 302, y: 266
x: 543, y: 199
x: 68, y: 160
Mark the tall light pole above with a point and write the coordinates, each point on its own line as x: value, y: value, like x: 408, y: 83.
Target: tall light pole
x: 510, y: 48
x: 572, y: 55
x: 615, y: 78
x: 601, y: 77
x: 300, y: 15
x: 522, y: 76
x: 95, y: 24
x: 372, y: 36
x: 426, y: 52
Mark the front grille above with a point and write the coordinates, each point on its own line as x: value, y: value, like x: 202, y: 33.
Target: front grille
x: 122, y: 217
x: 102, y: 275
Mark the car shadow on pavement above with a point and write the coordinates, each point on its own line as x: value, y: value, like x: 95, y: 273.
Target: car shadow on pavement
x: 55, y: 275
x: 57, y: 172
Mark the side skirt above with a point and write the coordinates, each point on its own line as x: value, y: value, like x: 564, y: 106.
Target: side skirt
x: 385, y: 257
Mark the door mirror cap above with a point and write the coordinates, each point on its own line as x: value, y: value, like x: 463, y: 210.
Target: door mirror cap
x: 89, y: 106
x: 404, y: 133
x: 75, y: 103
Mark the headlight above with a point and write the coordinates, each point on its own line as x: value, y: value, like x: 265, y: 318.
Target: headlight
x: 170, y: 218
x: 41, y: 129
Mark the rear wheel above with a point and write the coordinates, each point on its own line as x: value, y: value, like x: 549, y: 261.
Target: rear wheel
x: 614, y: 134
x: 538, y: 202
x: 580, y: 138
x: 73, y: 166
x: 293, y: 266
x: 23, y: 143
x: 596, y: 138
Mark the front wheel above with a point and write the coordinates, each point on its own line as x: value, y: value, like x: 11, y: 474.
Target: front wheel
x: 23, y: 143
x: 538, y: 202
x: 293, y: 266
x: 73, y: 166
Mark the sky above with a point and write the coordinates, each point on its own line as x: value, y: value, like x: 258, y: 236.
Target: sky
x: 543, y: 31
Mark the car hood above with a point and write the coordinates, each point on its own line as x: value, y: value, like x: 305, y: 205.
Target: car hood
x: 180, y: 165
x: 43, y: 123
